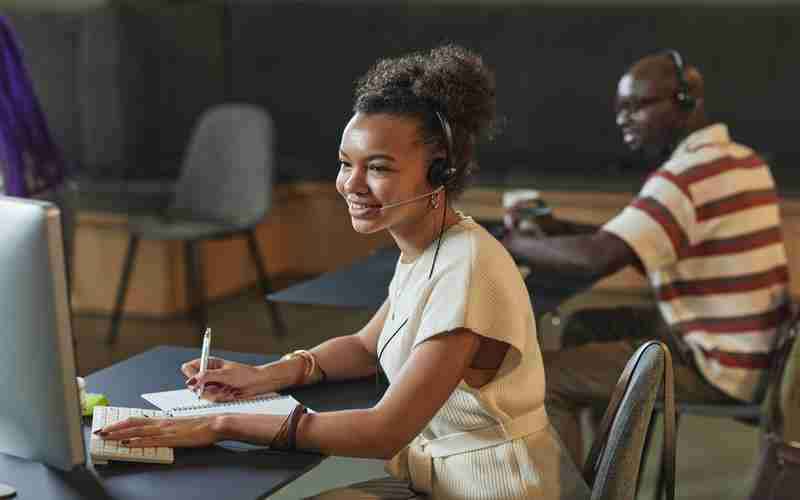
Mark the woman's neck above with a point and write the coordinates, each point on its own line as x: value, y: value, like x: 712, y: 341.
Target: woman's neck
x: 415, y: 236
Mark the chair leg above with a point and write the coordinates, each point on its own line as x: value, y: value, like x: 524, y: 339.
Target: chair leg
x: 195, y: 284
x: 660, y: 479
x: 122, y: 290
x: 277, y: 319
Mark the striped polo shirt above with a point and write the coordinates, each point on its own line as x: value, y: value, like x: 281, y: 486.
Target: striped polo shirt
x: 706, y: 226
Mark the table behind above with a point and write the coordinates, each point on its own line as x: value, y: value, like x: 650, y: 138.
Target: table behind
x: 365, y: 284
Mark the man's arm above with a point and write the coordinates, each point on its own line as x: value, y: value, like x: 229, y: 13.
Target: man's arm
x: 563, y: 227
x: 549, y: 224
x: 588, y: 256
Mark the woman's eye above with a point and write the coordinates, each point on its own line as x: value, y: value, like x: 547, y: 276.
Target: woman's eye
x: 378, y: 168
x: 344, y: 165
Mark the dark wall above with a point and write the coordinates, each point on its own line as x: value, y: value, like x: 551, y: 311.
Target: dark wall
x: 556, y: 68
x: 122, y: 85
x: 51, y: 47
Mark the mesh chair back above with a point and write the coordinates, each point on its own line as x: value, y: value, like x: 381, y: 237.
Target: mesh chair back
x: 614, y: 463
x: 227, y: 168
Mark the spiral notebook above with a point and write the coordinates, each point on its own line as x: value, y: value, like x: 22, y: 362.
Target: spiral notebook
x: 184, y: 403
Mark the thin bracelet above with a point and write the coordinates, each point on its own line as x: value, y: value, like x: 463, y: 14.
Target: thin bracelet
x: 278, y: 441
x: 294, y: 419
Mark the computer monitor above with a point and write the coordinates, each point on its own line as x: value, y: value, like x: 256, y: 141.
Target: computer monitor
x: 40, y: 415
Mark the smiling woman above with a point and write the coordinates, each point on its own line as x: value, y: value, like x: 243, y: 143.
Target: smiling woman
x: 456, y: 336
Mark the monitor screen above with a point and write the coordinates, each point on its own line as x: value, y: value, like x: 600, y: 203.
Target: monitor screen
x: 40, y: 409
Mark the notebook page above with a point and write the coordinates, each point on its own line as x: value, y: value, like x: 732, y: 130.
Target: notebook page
x: 184, y: 398
x: 270, y: 405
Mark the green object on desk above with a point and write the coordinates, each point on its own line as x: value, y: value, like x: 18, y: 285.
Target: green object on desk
x: 93, y: 400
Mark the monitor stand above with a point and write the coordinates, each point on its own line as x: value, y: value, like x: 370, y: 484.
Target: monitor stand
x: 7, y: 491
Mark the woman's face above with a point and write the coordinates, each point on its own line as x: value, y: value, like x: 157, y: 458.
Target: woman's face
x: 383, y: 161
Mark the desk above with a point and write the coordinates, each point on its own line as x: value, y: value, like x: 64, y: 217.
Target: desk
x: 365, y: 284
x: 362, y: 284
x: 197, y: 473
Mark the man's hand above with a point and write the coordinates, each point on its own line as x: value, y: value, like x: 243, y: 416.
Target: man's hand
x: 538, y: 222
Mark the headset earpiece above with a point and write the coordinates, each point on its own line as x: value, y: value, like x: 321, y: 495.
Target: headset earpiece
x: 684, y: 98
x: 442, y: 171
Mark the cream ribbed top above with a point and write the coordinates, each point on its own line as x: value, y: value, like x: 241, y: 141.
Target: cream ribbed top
x: 476, y: 285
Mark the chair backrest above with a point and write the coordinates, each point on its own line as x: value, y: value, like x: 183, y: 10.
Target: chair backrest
x: 613, y: 466
x: 781, y: 408
x: 227, y: 169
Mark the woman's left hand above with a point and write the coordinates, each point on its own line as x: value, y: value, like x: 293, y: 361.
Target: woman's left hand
x: 140, y: 432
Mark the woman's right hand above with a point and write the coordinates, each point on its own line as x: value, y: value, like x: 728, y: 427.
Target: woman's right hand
x: 226, y: 380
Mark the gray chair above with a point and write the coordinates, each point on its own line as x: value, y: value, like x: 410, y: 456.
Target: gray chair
x: 613, y: 466
x: 224, y: 190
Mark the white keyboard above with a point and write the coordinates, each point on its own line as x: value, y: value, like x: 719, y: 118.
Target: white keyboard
x: 102, y: 450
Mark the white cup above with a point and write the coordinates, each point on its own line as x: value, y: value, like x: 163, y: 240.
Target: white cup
x: 529, y: 205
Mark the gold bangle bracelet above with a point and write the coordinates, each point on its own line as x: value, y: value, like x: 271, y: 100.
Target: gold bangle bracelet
x: 310, y: 362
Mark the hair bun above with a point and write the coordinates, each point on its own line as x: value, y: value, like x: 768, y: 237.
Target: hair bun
x: 448, y: 79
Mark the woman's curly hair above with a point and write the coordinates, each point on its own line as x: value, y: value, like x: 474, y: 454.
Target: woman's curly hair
x: 449, y: 80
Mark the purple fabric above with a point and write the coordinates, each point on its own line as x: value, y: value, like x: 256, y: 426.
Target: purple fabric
x: 30, y: 160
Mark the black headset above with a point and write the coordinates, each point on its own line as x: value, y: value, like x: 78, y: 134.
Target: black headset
x: 442, y: 170
x: 685, y: 100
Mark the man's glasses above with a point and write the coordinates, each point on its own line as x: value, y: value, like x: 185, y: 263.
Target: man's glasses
x: 633, y: 106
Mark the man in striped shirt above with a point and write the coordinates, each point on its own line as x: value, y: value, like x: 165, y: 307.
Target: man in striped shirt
x: 705, y: 229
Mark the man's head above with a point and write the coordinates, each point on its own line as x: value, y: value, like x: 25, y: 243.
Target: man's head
x: 652, y: 118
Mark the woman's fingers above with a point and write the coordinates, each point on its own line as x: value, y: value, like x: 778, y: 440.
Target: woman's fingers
x: 215, y: 363
x: 175, y: 432
x: 126, y: 424
x: 167, y: 440
x: 219, y: 376
x: 170, y: 440
x: 192, y: 368
x: 132, y: 432
x: 220, y: 394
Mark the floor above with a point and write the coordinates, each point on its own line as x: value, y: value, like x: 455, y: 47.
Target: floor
x: 715, y: 457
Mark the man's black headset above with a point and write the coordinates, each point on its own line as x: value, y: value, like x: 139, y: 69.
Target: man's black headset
x: 685, y: 100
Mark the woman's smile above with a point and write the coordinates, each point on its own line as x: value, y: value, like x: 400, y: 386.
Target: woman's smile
x: 360, y: 210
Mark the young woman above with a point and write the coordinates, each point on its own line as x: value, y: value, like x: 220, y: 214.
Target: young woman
x: 463, y: 416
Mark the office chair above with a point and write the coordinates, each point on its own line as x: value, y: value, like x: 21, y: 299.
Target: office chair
x: 749, y: 413
x: 224, y: 190
x: 613, y: 466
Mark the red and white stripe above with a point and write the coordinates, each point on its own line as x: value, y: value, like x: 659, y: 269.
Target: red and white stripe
x: 706, y: 225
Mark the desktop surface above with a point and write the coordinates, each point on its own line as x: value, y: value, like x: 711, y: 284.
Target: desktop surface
x: 210, y: 472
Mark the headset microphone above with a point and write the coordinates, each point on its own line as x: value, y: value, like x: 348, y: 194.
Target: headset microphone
x: 411, y: 200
